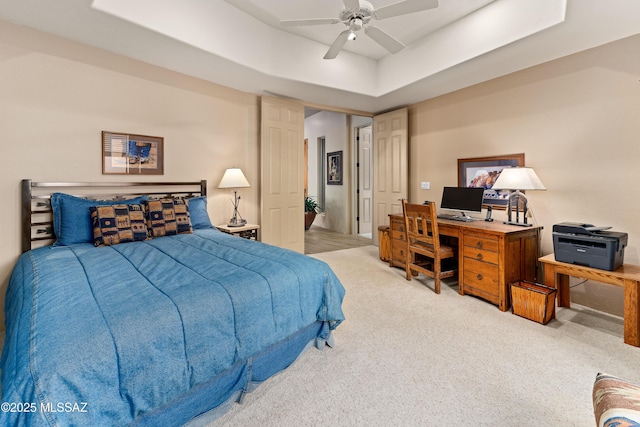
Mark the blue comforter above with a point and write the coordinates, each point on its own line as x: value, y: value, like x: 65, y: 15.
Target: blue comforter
x: 101, y: 336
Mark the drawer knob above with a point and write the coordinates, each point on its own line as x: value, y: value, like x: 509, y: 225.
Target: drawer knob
x: 479, y: 276
x: 479, y: 245
x: 479, y: 256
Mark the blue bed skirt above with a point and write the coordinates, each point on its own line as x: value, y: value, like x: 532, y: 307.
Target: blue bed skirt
x: 209, y: 401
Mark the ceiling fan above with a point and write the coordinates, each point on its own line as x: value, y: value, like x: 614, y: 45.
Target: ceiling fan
x: 357, y: 15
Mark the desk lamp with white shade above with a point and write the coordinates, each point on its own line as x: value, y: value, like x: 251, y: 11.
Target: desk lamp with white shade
x: 518, y: 179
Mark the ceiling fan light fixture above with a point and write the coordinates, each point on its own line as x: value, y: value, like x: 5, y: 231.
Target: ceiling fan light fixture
x: 355, y: 24
x: 352, y: 36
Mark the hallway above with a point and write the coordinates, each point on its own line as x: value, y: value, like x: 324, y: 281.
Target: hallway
x: 318, y: 239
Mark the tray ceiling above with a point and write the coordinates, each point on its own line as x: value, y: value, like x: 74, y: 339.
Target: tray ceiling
x: 240, y: 44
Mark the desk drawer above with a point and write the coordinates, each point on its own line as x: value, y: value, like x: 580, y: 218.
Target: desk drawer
x: 397, y: 228
x: 399, y: 236
x: 399, y: 252
x: 481, y: 276
x: 481, y: 242
x: 480, y: 255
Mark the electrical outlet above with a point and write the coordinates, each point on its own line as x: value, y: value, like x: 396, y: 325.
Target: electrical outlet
x: 425, y: 185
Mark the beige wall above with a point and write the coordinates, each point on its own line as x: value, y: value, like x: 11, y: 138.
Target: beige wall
x: 577, y: 120
x: 56, y: 97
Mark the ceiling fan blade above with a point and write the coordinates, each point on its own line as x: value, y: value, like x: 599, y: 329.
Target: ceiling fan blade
x: 300, y: 22
x: 352, y: 4
x: 383, y: 39
x: 404, y: 7
x: 337, y: 45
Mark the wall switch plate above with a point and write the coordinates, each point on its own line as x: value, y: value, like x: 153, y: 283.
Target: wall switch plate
x: 425, y: 185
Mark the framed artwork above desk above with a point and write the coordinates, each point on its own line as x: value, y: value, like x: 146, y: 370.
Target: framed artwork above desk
x: 482, y: 172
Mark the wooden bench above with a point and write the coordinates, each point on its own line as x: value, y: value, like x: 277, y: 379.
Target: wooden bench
x: 556, y: 275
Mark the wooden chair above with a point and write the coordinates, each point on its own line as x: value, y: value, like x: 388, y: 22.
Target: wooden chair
x: 424, y: 252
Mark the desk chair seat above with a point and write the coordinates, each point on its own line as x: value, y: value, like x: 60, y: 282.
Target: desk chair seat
x: 424, y: 252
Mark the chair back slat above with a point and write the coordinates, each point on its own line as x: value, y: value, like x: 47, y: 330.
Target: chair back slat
x: 421, y: 223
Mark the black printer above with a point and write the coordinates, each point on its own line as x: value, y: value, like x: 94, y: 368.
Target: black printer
x: 586, y: 244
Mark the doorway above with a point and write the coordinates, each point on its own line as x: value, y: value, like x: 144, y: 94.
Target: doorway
x: 346, y: 205
x: 283, y: 128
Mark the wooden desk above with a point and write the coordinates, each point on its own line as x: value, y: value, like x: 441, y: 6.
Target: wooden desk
x: 490, y: 255
x: 557, y: 273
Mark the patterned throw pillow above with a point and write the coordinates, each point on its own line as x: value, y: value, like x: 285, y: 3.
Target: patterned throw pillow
x: 118, y: 224
x: 168, y: 217
x: 616, y: 402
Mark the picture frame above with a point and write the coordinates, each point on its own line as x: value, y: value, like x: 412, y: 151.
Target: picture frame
x: 131, y: 154
x: 483, y: 172
x: 334, y: 168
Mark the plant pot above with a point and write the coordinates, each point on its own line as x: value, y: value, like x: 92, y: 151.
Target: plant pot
x: 308, y: 219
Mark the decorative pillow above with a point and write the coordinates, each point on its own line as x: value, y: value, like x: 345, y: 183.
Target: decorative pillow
x: 615, y: 402
x: 198, y: 213
x: 118, y: 224
x: 167, y: 217
x: 72, y: 219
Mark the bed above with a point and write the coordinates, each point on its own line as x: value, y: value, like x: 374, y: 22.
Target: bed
x: 132, y: 330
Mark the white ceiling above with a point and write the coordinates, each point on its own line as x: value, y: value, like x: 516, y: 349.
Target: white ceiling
x: 240, y: 44
x: 408, y: 28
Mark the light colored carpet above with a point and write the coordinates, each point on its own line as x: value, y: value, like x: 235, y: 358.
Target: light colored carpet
x: 406, y: 356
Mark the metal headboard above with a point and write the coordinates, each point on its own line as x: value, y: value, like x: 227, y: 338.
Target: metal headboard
x: 37, y: 216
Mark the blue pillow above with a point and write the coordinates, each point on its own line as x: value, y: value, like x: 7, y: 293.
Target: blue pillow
x: 199, y: 215
x: 72, y: 218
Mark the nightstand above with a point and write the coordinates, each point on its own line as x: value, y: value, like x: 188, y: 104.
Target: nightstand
x: 247, y: 231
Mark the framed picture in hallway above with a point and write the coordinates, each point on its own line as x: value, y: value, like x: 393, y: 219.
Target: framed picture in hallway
x: 334, y: 168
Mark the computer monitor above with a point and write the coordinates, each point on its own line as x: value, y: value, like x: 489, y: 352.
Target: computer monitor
x: 462, y: 199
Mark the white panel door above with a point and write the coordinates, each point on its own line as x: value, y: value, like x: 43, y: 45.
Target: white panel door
x: 282, y: 164
x: 365, y: 180
x: 390, y: 166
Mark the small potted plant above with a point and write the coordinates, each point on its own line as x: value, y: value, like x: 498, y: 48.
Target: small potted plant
x: 311, y: 208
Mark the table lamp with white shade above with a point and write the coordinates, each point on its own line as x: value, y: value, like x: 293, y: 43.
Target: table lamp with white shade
x: 234, y: 178
x: 518, y: 179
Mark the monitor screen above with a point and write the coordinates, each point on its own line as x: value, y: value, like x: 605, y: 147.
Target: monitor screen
x: 462, y: 198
